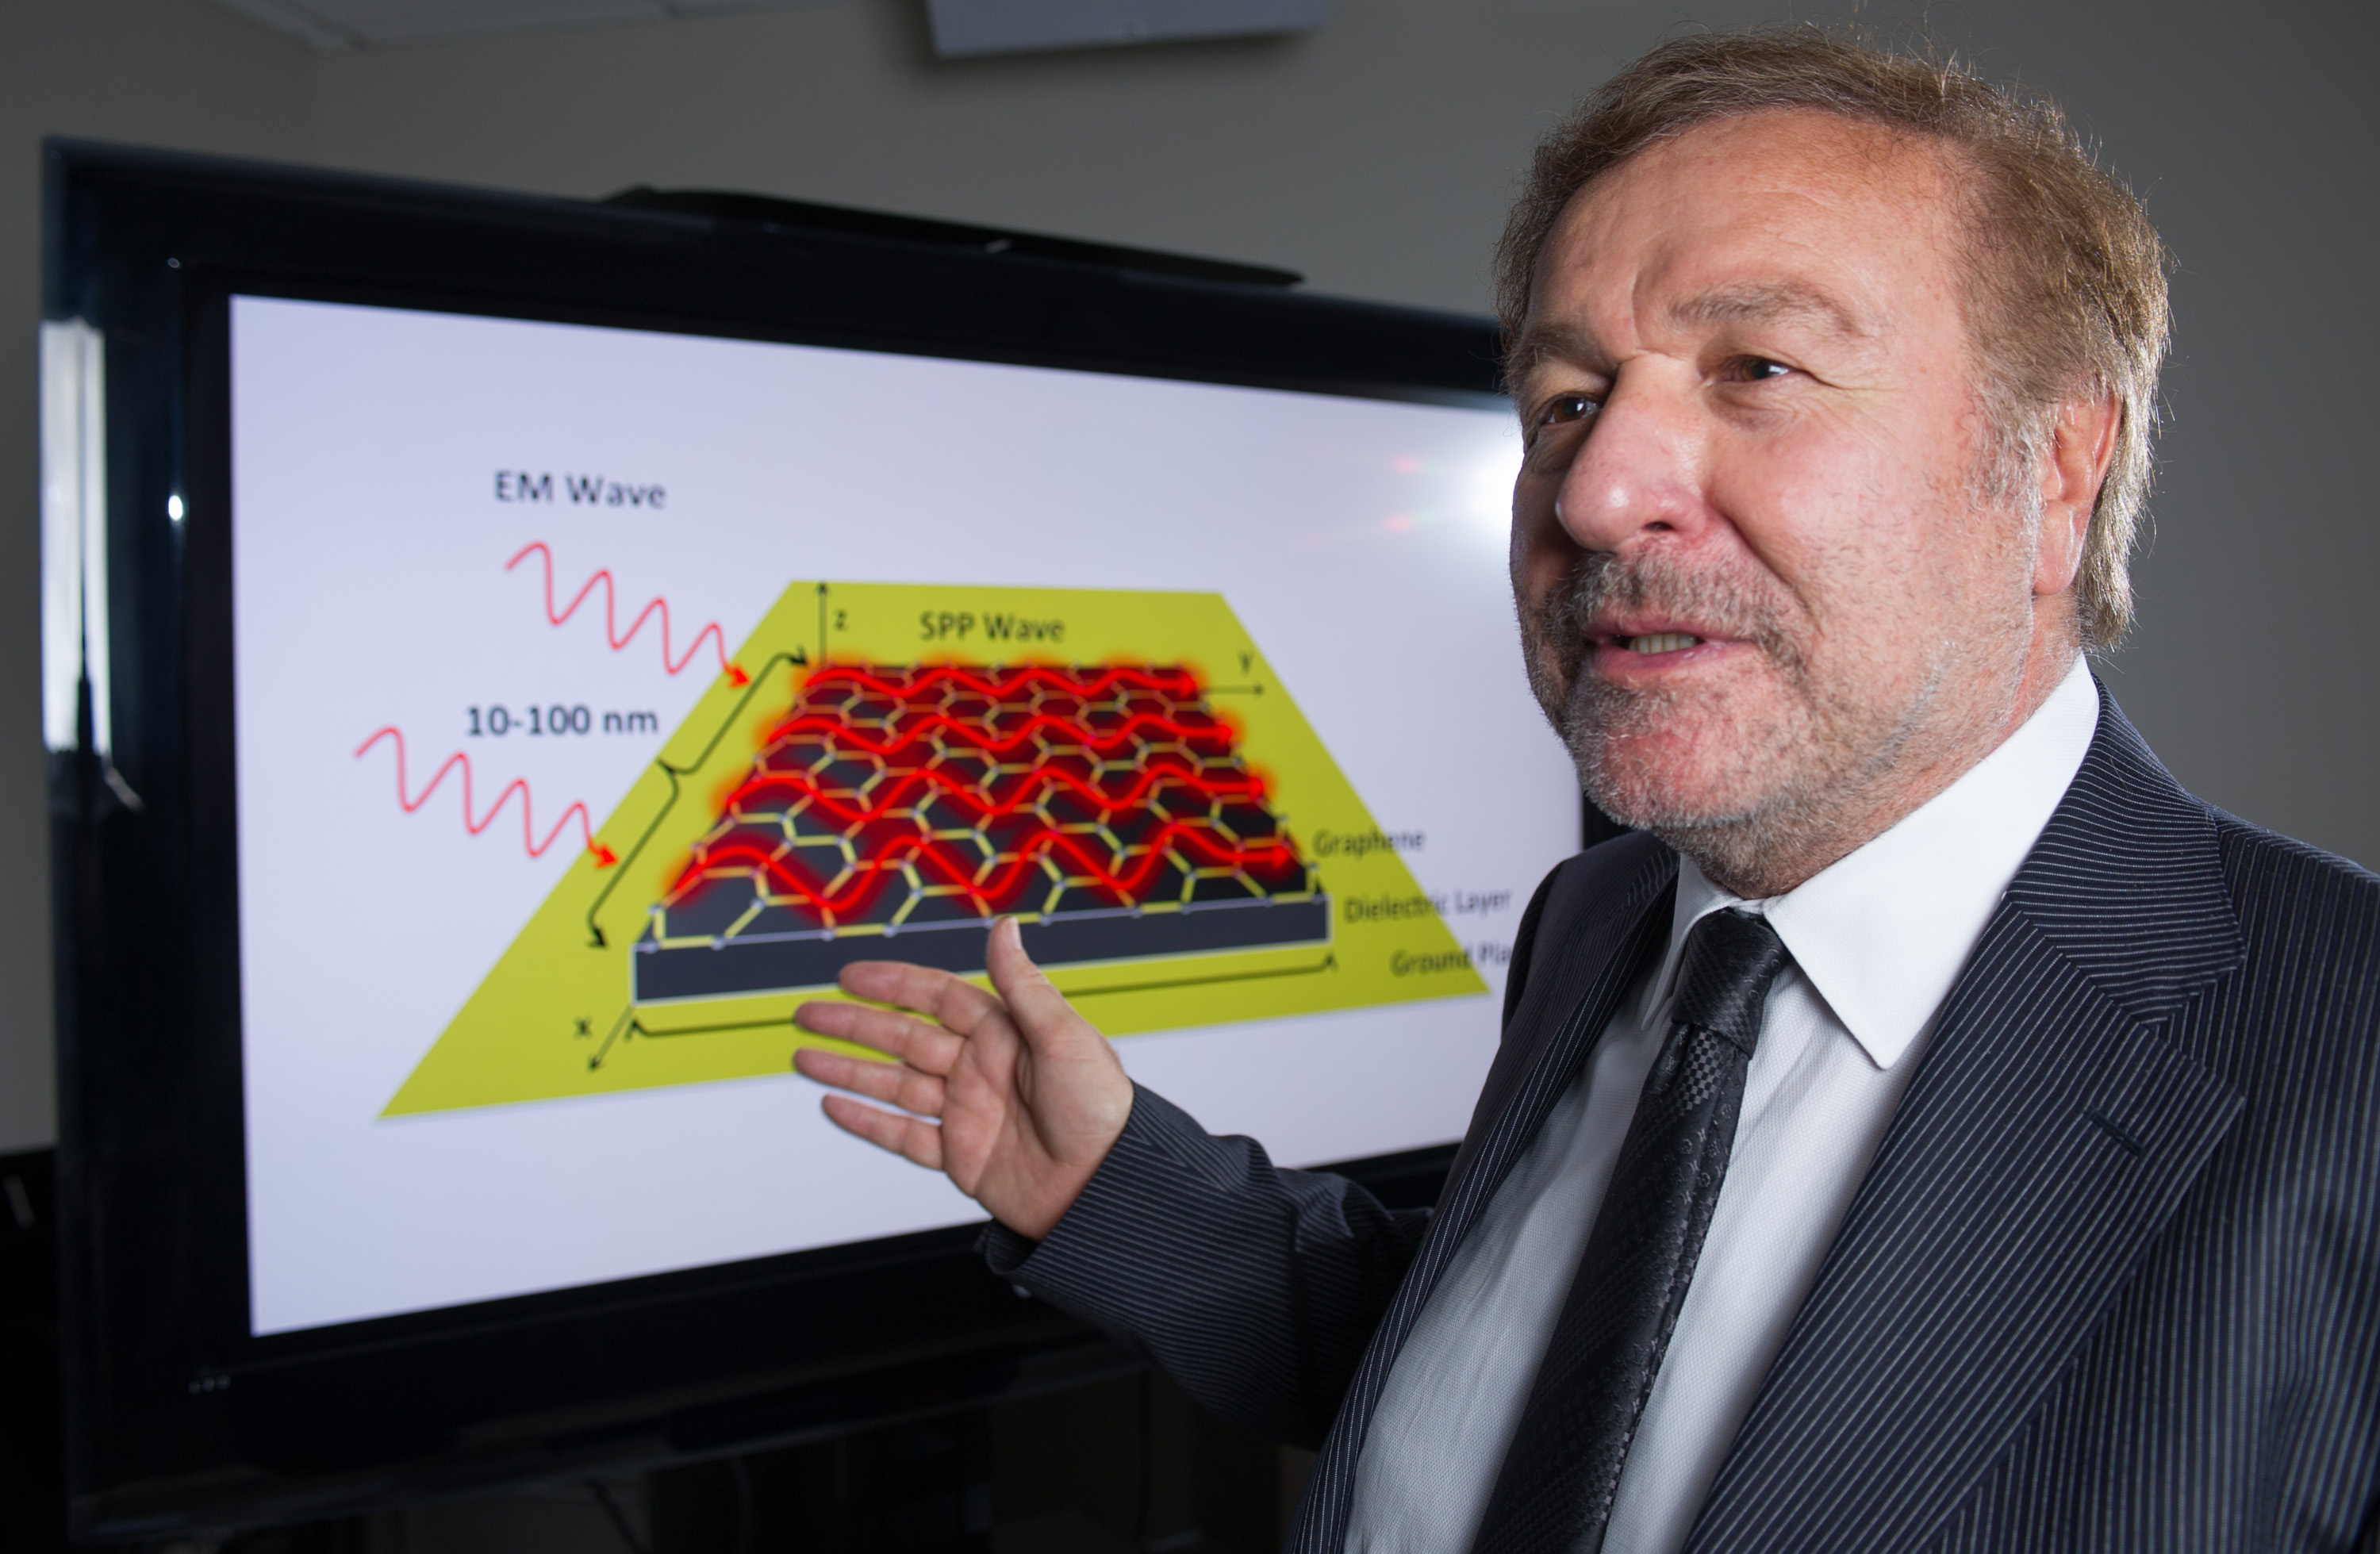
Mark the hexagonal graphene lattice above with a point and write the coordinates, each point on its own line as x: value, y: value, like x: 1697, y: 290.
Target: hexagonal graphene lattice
x: 1107, y: 808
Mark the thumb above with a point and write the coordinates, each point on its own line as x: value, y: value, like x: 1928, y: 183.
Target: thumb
x: 1034, y: 1001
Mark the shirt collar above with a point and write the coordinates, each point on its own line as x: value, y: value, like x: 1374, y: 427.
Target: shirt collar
x: 1883, y: 933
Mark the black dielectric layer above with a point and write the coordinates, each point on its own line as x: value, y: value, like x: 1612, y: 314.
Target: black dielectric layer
x: 731, y: 968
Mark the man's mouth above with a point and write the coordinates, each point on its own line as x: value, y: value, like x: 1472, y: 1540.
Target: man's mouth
x: 1659, y: 642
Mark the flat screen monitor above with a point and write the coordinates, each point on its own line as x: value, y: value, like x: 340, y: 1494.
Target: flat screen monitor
x: 521, y: 650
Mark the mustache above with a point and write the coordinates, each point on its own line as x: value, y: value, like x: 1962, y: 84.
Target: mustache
x: 1723, y: 603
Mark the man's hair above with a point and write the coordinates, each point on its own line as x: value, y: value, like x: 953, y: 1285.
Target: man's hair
x: 2066, y: 298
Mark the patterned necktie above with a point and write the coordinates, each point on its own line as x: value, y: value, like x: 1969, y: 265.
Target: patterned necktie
x: 1553, y: 1495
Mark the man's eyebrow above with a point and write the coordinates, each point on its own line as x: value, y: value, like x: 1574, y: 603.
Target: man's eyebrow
x: 1759, y: 302
x: 1545, y: 342
x: 1769, y: 302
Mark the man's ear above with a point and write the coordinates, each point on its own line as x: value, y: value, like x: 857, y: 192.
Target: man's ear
x: 2083, y: 444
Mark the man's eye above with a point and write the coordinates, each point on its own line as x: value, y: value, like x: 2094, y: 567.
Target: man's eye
x: 1754, y: 369
x: 1567, y: 407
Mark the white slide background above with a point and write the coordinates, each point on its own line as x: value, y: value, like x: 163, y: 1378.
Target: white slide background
x: 1360, y: 542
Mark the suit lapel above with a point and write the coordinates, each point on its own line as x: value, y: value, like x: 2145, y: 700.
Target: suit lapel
x: 1607, y: 912
x: 2048, y: 1137
x: 1595, y: 932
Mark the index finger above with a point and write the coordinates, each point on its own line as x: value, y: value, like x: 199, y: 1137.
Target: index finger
x: 942, y: 996
x: 925, y: 1046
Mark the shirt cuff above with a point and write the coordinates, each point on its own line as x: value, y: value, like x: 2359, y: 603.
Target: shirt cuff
x: 1158, y: 1139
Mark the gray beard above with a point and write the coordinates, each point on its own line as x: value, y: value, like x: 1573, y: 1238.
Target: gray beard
x: 1797, y: 771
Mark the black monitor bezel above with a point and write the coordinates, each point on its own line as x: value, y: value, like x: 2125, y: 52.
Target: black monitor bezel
x: 178, y: 1418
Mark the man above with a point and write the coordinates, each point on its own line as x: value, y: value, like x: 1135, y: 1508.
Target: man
x: 1935, y: 1129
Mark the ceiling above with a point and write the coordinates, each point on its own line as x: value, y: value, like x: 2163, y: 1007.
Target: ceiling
x: 960, y: 27
x: 332, y: 25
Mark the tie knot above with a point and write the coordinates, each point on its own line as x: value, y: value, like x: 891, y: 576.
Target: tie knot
x: 1731, y: 959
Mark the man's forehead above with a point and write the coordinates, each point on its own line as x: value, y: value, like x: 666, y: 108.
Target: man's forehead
x: 1800, y: 154
x: 1751, y: 302
x: 1794, y: 217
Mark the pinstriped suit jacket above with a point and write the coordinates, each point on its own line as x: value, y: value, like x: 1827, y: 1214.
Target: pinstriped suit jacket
x: 2112, y: 1282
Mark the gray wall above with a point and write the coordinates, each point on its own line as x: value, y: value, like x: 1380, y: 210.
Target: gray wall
x: 1375, y: 156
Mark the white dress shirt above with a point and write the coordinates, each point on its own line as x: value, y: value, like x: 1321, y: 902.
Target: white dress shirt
x: 1877, y: 941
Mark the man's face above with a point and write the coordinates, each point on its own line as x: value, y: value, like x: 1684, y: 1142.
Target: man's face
x: 1761, y: 579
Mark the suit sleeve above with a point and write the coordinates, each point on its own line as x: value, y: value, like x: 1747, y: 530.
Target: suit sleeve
x: 1255, y: 1288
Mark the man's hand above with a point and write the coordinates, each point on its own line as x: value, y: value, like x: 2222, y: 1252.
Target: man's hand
x: 1030, y: 1098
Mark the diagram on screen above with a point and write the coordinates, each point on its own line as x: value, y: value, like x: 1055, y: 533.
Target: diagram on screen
x: 884, y: 771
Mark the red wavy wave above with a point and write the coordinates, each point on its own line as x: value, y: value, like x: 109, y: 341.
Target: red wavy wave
x: 604, y: 856
x: 1029, y: 784
x: 869, y: 874
x: 612, y: 632
x: 976, y: 738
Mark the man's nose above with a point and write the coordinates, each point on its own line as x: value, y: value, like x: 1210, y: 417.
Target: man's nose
x: 1637, y: 472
